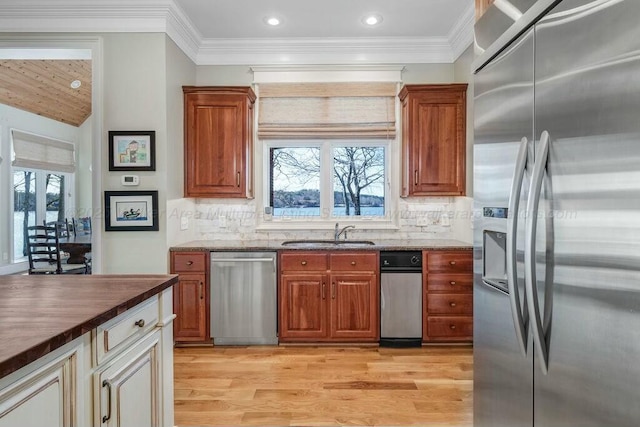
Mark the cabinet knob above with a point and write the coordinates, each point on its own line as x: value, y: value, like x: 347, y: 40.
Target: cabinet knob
x: 353, y: 263
x: 304, y: 263
x: 452, y: 304
x: 452, y: 283
x: 452, y: 326
x: 189, y: 262
x: 140, y: 323
x: 452, y: 262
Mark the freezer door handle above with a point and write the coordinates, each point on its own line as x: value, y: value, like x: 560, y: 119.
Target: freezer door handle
x: 540, y: 342
x: 519, y: 313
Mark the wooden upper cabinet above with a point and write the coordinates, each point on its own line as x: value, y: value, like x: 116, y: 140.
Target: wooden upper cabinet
x: 482, y: 6
x: 218, y: 144
x: 433, y: 140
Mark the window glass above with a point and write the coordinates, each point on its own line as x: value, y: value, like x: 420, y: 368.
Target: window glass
x: 24, y: 209
x: 327, y: 179
x: 295, y: 181
x: 358, y: 181
x: 55, y: 206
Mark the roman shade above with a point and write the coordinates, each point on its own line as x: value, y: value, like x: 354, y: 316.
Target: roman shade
x: 39, y: 152
x: 326, y: 110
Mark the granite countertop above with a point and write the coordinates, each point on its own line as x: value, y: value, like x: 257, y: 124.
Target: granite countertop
x: 41, y: 313
x: 271, y: 245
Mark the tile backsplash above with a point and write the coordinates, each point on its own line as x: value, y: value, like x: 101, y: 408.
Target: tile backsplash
x: 418, y: 218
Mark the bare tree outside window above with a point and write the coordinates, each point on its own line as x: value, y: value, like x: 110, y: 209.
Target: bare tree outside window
x: 356, y: 169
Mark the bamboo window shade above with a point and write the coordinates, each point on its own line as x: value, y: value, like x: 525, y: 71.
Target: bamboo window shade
x: 327, y: 111
x: 39, y: 152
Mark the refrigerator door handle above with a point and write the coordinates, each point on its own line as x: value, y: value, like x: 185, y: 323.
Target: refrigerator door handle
x: 519, y: 313
x: 542, y: 154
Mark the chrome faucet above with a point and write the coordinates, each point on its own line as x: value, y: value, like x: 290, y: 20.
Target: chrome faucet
x: 340, y: 231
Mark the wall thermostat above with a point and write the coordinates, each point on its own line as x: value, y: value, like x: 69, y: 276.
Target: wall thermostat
x: 130, y: 180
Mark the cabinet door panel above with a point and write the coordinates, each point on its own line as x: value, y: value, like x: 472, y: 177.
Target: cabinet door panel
x: 189, y: 301
x: 354, y: 306
x: 128, y: 389
x: 44, y: 398
x: 303, y: 306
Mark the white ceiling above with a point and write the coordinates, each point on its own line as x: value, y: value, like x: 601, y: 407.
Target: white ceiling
x: 233, y: 31
x: 323, y: 18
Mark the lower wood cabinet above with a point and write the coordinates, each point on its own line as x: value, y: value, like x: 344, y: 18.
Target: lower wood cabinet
x: 190, y: 297
x: 329, y: 297
x: 447, y: 296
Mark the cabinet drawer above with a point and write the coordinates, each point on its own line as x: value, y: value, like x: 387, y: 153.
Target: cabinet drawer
x: 450, y: 304
x: 353, y: 262
x: 458, y: 326
x: 450, y: 283
x: 112, y: 336
x: 185, y: 262
x: 303, y: 261
x: 450, y: 262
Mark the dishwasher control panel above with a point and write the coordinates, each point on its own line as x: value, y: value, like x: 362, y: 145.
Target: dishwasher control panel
x: 401, y: 260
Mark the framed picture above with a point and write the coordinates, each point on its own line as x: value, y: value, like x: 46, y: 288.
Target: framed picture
x: 132, y: 150
x: 131, y: 210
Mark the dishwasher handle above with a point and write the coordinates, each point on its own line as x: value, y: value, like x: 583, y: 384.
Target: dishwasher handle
x: 272, y: 260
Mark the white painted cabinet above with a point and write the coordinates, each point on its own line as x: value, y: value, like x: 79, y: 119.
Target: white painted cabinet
x: 128, y: 392
x: 47, y: 396
x: 120, y: 374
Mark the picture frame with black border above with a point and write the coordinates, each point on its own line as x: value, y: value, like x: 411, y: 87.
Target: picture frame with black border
x: 131, y: 210
x: 132, y: 150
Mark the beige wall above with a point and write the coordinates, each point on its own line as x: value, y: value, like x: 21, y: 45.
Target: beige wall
x: 135, y: 99
x: 181, y: 71
x: 84, y: 176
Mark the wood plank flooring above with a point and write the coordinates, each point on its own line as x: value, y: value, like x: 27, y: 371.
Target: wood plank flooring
x: 323, y: 386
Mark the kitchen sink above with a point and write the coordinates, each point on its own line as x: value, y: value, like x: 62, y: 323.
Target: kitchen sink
x: 326, y: 243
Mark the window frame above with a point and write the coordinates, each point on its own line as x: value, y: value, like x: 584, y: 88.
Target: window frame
x: 328, y: 221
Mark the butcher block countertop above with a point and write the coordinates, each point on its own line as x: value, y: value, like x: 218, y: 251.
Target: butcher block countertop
x: 380, y: 245
x: 41, y: 313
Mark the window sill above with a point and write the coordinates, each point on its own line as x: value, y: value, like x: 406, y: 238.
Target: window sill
x: 17, y: 268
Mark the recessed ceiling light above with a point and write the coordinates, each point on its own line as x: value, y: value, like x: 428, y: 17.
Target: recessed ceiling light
x: 272, y: 21
x: 372, y: 20
x: 75, y: 84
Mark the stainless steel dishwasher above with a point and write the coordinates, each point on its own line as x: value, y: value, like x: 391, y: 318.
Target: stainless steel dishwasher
x: 243, y: 298
x: 401, y: 299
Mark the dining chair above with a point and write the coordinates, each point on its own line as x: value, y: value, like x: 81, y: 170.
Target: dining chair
x: 62, y: 227
x: 84, y: 224
x: 43, y: 249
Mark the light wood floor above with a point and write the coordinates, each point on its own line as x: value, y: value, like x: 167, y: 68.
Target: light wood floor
x: 323, y: 386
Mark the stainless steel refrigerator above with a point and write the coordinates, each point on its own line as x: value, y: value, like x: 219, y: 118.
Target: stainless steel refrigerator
x: 557, y: 228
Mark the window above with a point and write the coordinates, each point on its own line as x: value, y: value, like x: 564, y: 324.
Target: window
x: 42, y: 182
x: 327, y: 178
x: 38, y: 196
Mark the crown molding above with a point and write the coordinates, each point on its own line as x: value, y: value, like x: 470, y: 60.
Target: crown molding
x: 461, y: 34
x: 324, y: 51
x: 96, y: 16
x: 327, y: 73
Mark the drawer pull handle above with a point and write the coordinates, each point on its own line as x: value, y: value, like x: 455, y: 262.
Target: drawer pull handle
x: 323, y: 285
x: 452, y: 283
x: 452, y: 326
x: 353, y: 263
x: 452, y: 262
x: 304, y: 263
x: 238, y: 179
x: 189, y: 262
x: 452, y: 304
x: 333, y: 290
x: 415, y: 177
x: 140, y: 323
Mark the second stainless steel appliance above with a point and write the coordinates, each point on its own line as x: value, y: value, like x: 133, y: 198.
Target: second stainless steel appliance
x: 401, y: 299
x: 243, y: 298
x: 557, y: 235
